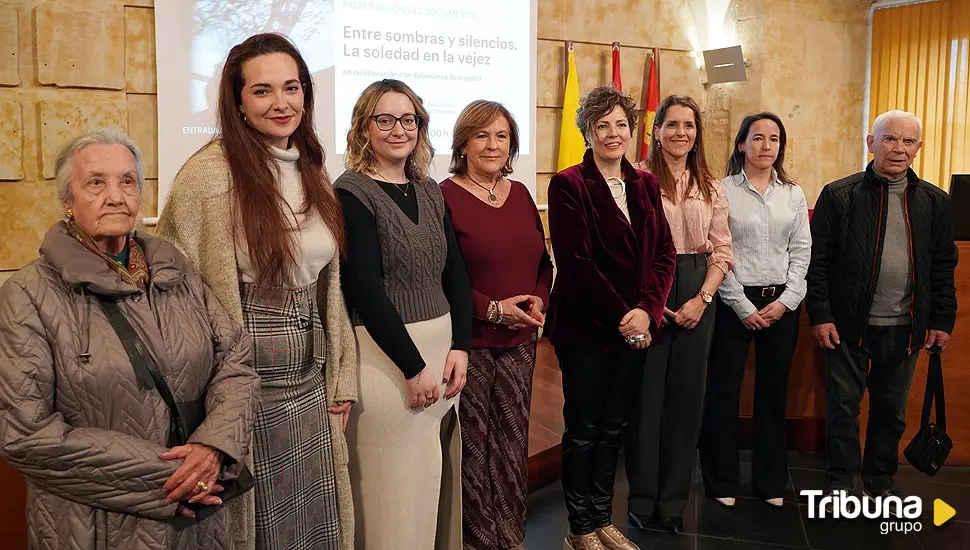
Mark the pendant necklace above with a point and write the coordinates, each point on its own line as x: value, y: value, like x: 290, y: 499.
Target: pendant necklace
x: 618, y: 182
x: 397, y: 185
x: 491, y: 192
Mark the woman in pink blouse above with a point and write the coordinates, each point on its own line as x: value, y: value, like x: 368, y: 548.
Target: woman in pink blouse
x: 664, y: 434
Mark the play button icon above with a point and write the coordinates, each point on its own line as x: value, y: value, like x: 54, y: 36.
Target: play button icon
x: 942, y: 512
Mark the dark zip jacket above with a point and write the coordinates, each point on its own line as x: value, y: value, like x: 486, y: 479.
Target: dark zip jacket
x: 848, y: 233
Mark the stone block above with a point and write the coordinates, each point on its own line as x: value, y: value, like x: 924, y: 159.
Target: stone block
x: 143, y: 128
x: 82, y: 48
x: 680, y: 75
x: 547, y: 140
x: 11, y: 141
x: 149, y: 200
x: 29, y: 209
x: 542, y: 189
x: 9, y: 45
x: 660, y: 23
x: 62, y: 121
x: 140, y: 50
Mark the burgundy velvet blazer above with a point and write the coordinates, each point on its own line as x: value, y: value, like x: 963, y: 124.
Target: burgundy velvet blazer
x: 606, y: 266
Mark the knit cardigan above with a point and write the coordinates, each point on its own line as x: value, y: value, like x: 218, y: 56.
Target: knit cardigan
x: 198, y: 220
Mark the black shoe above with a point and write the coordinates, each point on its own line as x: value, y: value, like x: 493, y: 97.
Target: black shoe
x: 895, y: 511
x: 672, y: 525
x: 638, y: 521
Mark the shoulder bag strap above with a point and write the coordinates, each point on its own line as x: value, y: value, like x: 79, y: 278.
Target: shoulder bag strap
x: 146, y: 371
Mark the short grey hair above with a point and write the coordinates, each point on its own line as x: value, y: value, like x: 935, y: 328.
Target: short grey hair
x: 881, y: 120
x: 64, y: 167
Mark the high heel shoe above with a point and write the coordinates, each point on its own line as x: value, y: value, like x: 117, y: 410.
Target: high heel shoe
x: 672, y: 525
x: 728, y: 502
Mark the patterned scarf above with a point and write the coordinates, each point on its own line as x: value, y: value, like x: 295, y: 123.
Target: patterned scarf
x: 136, y: 272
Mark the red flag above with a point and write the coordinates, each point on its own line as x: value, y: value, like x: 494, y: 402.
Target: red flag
x: 651, y: 101
x: 616, y: 67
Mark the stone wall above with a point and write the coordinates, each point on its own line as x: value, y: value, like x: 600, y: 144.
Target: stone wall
x: 67, y: 66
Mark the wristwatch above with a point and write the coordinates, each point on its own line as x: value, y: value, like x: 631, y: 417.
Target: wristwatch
x: 706, y: 296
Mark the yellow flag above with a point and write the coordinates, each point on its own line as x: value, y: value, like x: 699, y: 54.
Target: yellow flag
x: 571, y: 145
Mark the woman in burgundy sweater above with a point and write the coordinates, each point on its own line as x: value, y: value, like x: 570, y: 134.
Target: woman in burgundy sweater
x: 501, y: 239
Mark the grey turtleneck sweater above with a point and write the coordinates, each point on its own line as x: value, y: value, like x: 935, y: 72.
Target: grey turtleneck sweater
x: 893, y: 298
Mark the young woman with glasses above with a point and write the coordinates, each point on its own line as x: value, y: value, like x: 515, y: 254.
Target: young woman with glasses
x: 410, y: 303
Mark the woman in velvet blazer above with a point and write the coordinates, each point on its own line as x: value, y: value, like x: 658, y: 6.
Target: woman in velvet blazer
x: 615, y: 260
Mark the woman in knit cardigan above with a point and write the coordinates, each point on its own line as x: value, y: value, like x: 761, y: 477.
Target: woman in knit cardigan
x: 255, y: 213
x: 410, y: 299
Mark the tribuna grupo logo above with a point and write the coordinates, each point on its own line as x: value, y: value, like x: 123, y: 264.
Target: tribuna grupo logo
x: 900, y: 515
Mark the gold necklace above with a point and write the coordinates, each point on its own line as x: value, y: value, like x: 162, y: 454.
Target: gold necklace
x: 491, y: 192
x: 396, y: 185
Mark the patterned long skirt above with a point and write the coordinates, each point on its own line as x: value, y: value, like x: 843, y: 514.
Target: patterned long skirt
x: 296, y: 497
x: 494, y: 418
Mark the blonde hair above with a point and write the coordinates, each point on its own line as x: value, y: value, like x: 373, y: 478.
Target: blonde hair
x: 360, y: 155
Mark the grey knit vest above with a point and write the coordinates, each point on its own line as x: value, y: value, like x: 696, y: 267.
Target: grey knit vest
x: 412, y: 255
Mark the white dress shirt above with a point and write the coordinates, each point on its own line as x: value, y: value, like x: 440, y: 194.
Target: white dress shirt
x: 772, y: 241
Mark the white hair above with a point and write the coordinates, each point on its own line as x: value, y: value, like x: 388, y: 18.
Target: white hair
x: 881, y: 120
x: 64, y: 167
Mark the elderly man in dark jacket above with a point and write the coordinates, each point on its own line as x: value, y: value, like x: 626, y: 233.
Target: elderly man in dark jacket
x: 880, y: 287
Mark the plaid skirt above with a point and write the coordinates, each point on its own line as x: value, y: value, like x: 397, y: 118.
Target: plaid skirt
x: 296, y: 497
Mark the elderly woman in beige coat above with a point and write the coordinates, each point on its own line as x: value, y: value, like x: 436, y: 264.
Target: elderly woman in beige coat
x: 75, y: 419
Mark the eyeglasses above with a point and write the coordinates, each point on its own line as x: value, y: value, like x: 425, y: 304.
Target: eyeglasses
x: 386, y: 122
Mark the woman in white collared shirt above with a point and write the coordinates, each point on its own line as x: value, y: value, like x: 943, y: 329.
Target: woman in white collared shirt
x: 759, y: 300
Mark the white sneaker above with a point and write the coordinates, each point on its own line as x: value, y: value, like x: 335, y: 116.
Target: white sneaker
x: 726, y: 501
x: 776, y: 502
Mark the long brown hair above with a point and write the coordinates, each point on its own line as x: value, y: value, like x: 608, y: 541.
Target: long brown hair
x: 258, y: 203
x: 360, y: 155
x: 701, y: 175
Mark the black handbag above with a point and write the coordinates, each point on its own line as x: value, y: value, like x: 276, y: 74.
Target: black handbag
x: 929, y: 448
x: 184, y: 417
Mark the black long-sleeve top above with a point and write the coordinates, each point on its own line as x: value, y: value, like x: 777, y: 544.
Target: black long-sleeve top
x: 362, y: 274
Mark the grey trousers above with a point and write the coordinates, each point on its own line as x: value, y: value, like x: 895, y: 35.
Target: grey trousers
x: 662, y: 439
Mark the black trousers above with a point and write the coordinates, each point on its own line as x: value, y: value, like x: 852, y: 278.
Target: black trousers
x: 774, y: 348
x: 662, y: 442
x: 600, y: 391
x: 884, y: 364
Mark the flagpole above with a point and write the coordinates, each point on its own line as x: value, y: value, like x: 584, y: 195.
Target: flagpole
x: 565, y: 61
x: 616, y: 77
x: 656, y: 63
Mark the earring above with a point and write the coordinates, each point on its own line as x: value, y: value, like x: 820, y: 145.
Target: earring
x: 69, y: 213
x: 243, y: 115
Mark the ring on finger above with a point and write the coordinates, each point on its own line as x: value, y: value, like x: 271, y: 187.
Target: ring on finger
x: 201, y: 487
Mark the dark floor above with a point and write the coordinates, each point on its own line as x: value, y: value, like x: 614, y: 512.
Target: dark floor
x: 755, y: 525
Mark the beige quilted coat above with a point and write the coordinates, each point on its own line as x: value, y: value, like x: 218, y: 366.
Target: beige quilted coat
x: 83, y: 432
x: 198, y: 218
